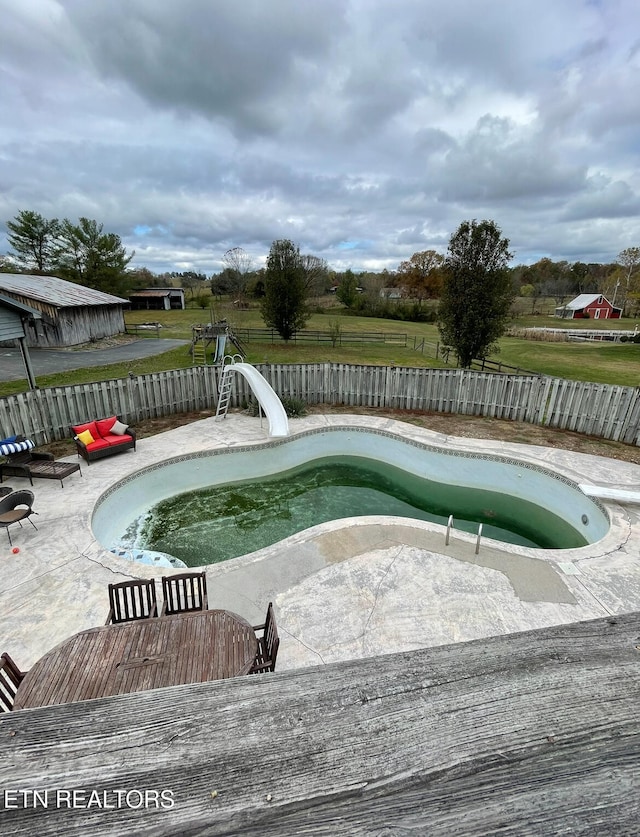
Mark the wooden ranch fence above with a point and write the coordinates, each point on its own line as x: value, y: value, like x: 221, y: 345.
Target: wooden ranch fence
x: 309, y: 336
x: 606, y: 411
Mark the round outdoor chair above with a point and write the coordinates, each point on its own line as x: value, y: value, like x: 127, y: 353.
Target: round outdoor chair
x: 16, y: 507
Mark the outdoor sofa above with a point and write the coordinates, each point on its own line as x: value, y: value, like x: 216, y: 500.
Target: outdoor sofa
x: 103, y: 437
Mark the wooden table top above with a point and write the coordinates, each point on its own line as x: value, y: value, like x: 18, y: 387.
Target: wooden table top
x: 139, y: 655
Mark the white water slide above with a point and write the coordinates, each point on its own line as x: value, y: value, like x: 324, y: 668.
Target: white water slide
x: 267, y: 397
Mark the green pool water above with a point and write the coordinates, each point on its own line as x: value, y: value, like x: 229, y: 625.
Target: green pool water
x: 224, y: 521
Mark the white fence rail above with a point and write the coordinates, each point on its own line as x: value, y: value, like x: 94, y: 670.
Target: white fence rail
x: 606, y: 411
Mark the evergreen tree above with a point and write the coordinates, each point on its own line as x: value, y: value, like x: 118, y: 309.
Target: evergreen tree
x: 35, y: 241
x: 93, y: 258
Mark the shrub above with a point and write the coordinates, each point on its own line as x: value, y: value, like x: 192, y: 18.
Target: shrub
x: 294, y: 407
x: 252, y: 407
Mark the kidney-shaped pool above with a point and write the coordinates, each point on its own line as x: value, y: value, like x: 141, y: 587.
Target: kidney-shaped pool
x: 215, y: 505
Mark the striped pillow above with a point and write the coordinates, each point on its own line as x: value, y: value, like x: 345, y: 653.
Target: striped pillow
x: 7, y: 447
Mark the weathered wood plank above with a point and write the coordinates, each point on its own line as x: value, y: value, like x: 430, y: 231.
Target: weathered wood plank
x: 533, y: 733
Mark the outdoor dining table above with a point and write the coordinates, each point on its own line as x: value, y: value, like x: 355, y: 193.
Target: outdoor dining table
x: 139, y: 655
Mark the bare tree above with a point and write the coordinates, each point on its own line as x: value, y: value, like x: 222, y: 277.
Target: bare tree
x: 629, y: 260
x: 316, y: 274
x: 237, y: 268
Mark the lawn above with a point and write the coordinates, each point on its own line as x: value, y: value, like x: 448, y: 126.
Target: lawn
x: 611, y: 363
x: 603, y: 362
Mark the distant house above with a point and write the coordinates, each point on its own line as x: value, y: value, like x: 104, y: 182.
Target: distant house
x: 594, y: 306
x: 70, y: 314
x: 157, y: 299
x: 391, y: 293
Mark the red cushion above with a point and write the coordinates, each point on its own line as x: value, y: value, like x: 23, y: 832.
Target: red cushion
x: 112, y: 439
x: 90, y: 426
x: 105, y: 425
x: 99, y: 443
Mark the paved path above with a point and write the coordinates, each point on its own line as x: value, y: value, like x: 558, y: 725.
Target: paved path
x: 50, y: 361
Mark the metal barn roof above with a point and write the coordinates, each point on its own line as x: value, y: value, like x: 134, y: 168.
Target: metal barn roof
x: 582, y: 301
x: 54, y: 291
x: 156, y: 292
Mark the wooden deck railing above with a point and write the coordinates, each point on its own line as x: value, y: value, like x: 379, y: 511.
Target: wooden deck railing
x: 529, y: 733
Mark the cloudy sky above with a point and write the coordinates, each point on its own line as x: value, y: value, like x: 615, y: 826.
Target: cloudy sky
x: 363, y: 130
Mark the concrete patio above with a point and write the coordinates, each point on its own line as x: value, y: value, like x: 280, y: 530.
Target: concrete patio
x: 341, y: 591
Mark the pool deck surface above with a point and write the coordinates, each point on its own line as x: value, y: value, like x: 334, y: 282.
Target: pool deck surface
x: 341, y: 590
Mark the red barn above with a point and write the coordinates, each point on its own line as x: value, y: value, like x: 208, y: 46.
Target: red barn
x: 595, y: 306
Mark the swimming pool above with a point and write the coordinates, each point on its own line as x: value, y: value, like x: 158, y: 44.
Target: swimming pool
x: 121, y: 511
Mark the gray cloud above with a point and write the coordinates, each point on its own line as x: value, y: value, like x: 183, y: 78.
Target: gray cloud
x: 364, y: 130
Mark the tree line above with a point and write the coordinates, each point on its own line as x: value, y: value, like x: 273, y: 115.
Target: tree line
x: 475, y: 294
x: 473, y: 283
x: 82, y: 252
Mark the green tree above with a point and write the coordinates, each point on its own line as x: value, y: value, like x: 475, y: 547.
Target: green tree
x: 35, y: 241
x: 93, y: 258
x: 142, y: 277
x: 7, y: 265
x: 190, y: 281
x: 347, y: 292
x: 477, y: 291
x: 283, y: 306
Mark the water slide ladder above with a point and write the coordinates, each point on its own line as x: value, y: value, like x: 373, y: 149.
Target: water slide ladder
x: 226, y: 385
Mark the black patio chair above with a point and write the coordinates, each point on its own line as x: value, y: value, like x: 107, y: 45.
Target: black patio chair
x: 16, y: 507
x: 129, y: 600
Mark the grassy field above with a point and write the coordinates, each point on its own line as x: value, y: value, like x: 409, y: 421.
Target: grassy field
x: 611, y: 363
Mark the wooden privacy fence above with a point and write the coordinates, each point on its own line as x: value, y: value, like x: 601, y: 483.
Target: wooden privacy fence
x: 45, y: 415
x: 610, y: 412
